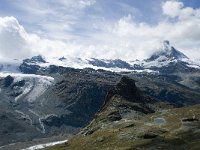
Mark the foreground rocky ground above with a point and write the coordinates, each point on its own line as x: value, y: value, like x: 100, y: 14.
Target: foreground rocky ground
x: 131, y: 120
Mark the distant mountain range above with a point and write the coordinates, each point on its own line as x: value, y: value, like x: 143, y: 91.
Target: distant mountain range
x: 166, y: 59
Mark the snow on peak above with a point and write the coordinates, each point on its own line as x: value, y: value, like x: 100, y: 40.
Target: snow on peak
x: 165, y: 55
x: 165, y: 46
x: 81, y: 63
x: 168, y: 52
x: 35, y: 59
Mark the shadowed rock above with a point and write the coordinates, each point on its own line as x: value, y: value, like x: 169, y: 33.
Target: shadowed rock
x: 127, y: 89
x: 8, y: 81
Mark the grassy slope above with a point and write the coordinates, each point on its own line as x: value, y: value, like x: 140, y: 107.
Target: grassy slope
x: 143, y: 133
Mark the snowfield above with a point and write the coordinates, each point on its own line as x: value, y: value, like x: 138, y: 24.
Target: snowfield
x: 35, y: 85
x: 40, y: 146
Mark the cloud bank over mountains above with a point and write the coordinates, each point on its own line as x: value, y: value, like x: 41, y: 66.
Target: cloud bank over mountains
x: 124, y: 38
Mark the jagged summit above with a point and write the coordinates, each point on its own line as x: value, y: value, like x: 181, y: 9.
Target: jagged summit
x: 166, y: 51
x: 127, y: 89
x: 36, y: 59
x: 167, y: 59
x: 126, y: 96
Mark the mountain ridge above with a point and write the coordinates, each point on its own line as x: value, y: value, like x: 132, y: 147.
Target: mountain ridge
x: 166, y: 56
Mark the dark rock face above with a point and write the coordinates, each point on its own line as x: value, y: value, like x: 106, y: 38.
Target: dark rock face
x: 127, y: 89
x: 61, y: 70
x: 29, y: 69
x: 30, y: 66
x: 8, y: 81
x: 82, y: 94
x: 125, y: 98
x: 35, y: 59
x: 19, y: 83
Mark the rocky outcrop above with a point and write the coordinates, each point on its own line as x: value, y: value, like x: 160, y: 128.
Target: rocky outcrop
x: 35, y: 59
x: 124, y: 102
x: 127, y: 89
x: 126, y: 95
x: 8, y: 81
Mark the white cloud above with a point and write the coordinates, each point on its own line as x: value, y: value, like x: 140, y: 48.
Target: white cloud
x: 176, y: 9
x: 85, y: 3
x: 172, y: 8
x: 51, y: 18
x: 12, y: 38
x: 15, y: 42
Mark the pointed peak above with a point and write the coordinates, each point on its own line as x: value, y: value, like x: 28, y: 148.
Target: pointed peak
x: 62, y: 58
x: 165, y: 46
x: 165, y: 50
x: 127, y: 89
x: 166, y: 42
x: 35, y: 59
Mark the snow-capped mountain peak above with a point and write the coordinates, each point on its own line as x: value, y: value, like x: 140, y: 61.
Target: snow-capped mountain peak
x: 168, y: 52
x: 165, y: 46
x: 36, y: 59
x: 166, y: 56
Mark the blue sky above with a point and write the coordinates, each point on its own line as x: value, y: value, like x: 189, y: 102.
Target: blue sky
x: 109, y: 10
x: 126, y: 29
